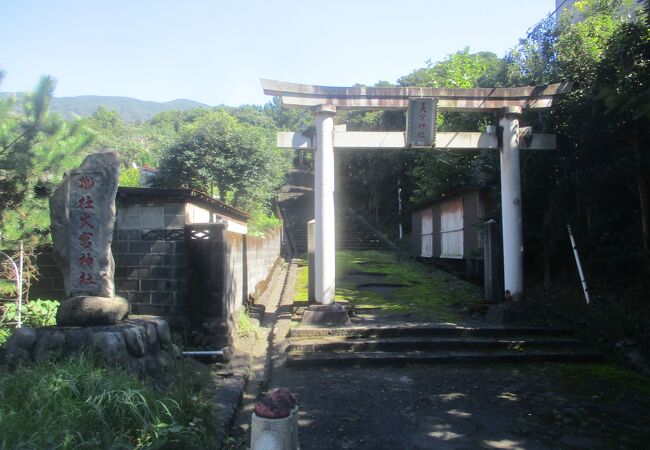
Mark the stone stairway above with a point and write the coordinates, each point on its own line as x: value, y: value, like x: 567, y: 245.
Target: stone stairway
x: 433, y: 344
x: 353, y: 235
x: 297, y: 205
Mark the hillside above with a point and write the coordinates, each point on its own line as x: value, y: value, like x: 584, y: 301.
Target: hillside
x: 130, y: 109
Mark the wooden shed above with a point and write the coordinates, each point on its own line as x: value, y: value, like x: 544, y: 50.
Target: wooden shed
x: 449, y: 227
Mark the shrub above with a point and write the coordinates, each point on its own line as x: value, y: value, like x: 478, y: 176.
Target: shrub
x: 78, y: 403
x: 260, y: 223
x: 35, y: 313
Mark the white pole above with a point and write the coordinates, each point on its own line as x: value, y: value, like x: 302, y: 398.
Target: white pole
x: 513, y: 244
x: 399, y: 209
x: 324, y: 206
x: 580, y: 271
x: 19, y: 283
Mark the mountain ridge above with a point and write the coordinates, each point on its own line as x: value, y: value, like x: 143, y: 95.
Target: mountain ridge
x: 130, y: 109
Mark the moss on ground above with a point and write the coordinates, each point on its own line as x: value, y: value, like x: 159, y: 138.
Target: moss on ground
x: 427, y: 292
x: 606, y: 382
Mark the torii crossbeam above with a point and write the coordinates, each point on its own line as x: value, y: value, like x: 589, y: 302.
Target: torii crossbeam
x: 324, y: 101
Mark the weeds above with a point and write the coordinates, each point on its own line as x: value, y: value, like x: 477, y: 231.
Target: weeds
x: 35, y: 313
x: 245, y: 325
x: 78, y: 403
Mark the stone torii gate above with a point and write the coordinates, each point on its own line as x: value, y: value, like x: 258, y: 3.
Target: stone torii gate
x: 324, y: 101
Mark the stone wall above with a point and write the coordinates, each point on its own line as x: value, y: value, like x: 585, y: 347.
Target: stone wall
x: 142, y: 346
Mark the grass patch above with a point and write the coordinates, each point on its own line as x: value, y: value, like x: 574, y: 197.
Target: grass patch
x: 78, y: 403
x: 605, y: 381
x: 431, y: 293
x: 244, y: 323
x: 301, y: 289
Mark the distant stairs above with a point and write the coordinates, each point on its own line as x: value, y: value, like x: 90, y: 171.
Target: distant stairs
x: 350, y: 233
x: 433, y: 344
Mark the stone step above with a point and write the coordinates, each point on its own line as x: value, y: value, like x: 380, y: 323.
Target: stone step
x: 427, y: 330
x: 298, y: 360
x: 340, y: 344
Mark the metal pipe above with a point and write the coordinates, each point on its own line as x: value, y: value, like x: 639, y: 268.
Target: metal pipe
x: 583, y: 281
x: 205, y: 353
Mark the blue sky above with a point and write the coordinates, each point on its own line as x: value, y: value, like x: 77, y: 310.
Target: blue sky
x: 215, y: 51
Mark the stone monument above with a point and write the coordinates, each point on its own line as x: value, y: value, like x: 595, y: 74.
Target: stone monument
x: 83, y: 214
x: 82, y: 211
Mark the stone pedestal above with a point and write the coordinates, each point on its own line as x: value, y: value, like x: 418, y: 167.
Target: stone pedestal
x: 143, y: 346
x: 326, y: 315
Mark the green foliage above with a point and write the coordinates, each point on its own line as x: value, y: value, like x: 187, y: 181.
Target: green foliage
x: 244, y: 323
x: 222, y: 156
x: 78, y: 403
x: 35, y: 149
x: 261, y: 222
x: 459, y: 70
x: 35, y: 313
x: 129, y: 177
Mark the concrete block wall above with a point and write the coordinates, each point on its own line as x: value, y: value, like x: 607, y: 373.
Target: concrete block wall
x: 150, y: 257
x: 49, y: 284
x: 151, y: 270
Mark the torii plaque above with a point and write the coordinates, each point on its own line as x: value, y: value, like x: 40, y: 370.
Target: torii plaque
x: 324, y: 101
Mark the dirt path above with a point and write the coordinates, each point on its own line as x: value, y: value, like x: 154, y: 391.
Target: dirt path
x: 463, y: 407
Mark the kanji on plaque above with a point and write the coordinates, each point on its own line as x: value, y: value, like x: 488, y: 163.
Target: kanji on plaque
x: 85, y: 221
x: 85, y: 232
x: 86, y: 279
x: 86, y: 182
x: 86, y: 260
x: 86, y: 202
x: 85, y: 240
x: 421, y: 123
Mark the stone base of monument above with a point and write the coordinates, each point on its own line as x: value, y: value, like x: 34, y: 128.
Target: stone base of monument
x: 142, y: 346
x: 513, y: 312
x: 326, y: 315
x: 85, y: 310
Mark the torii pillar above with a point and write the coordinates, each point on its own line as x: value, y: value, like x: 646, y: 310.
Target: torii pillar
x: 325, y: 311
x: 512, y: 229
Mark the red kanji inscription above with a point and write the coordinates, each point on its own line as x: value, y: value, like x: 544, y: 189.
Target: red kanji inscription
x: 86, y: 279
x: 84, y: 221
x: 86, y: 182
x: 86, y: 259
x: 85, y: 240
x: 86, y: 202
